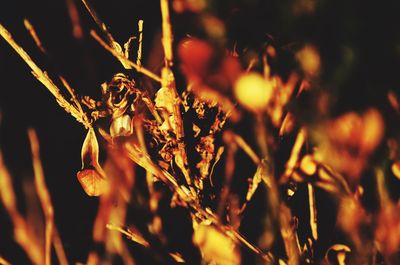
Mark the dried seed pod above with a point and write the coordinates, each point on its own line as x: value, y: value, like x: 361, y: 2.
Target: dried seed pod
x: 91, y: 176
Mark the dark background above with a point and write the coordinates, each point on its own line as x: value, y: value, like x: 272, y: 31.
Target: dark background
x: 367, y: 32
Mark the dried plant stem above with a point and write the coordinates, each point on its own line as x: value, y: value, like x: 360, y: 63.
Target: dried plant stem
x: 45, y: 79
x: 246, y: 148
x: 129, y: 234
x: 166, y: 33
x: 75, y: 21
x: 34, y: 35
x: 294, y: 156
x: 110, y: 40
x: 313, y: 211
x: 24, y: 236
x: 59, y: 248
x: 74, y: 97
x: 139, y: 51
x: 231, y: 149
x: 43, y: 194
x: 168, y: 81
x: 124, y: 60
x: 280, y: 213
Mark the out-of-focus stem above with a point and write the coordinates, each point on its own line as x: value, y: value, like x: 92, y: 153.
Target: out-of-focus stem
x: 58, y: 246
x: 34, y: 35
x: 23, y: 235
x: 4, y: 262
x: 75, y: 21
x: 43, y: 194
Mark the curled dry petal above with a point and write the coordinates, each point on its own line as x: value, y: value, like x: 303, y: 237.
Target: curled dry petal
x: 337, y: 254
x: 91, y: 176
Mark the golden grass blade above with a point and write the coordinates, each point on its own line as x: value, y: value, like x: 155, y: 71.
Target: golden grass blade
x: 44, y: 79
x: 110, y: 40
x: 43, y: 194
x: 166, y: 33
x: 34, y: 35
x: 124, y: 60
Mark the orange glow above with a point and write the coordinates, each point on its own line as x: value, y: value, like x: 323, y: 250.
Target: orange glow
x: 309, y: 60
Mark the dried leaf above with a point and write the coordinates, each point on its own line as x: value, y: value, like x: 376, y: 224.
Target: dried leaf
x: 91, y: 176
